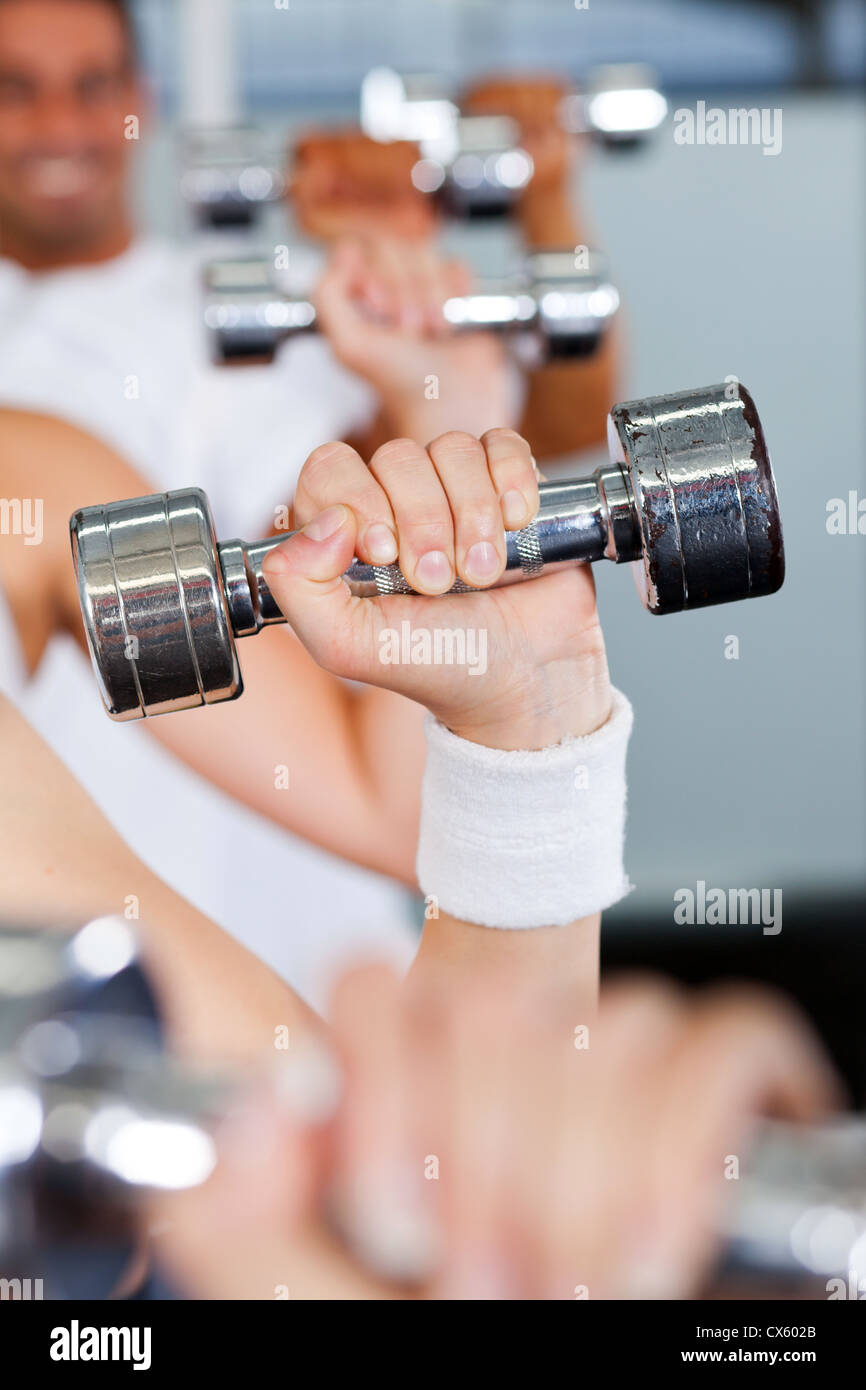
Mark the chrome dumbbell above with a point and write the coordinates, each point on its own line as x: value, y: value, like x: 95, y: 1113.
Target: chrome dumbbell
x: 688, y: 496
x: 554, y: 308
x: 475, y: 163
x: 91, y: 1109
x: 619, y: 105
x: 228, y: 175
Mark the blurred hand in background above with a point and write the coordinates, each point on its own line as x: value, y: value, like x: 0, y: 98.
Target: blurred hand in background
x: 475, y: 1154
x: 380, y: 302
x: 342, y: 182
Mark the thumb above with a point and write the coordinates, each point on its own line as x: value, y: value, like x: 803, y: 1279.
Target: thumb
x: 304, y: 574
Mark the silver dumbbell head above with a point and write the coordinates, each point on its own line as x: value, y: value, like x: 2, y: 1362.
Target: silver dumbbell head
x: 154, y: 604
x: 228, y: 174
x: 620, y: 105
x: 478, y: 170
x: 575, y: 302
x: 705, y: 498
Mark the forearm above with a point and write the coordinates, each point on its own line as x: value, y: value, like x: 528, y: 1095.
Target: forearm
x: 300, y: 748
x: 61, y: 862
x: 337, y: 765
x: 567, y: 403
x: 542, y: 962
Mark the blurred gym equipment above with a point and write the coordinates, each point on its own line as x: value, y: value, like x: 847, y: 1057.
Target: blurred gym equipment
x: 557, y: 309
x: 476, y: 163
x: 93, y: 1115
x: 689, y: 496
x: 228, y: 175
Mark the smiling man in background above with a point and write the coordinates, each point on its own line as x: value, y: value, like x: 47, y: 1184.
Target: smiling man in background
x: 101, y: 330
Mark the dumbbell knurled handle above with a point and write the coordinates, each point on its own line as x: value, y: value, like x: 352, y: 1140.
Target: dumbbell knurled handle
x: 572, y: 525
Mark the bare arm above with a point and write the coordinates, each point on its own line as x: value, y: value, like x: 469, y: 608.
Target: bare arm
x: 567, y: 403
x: 339, y: 744
x: 61, y: 862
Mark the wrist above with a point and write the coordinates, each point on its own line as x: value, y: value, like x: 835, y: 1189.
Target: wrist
x: 548, y: 218
x: 525, y: 839
x: 566, y: 700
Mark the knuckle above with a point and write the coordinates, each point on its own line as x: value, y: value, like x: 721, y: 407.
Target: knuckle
x: 397, y: 452
x: 322, y: 462
x: 481, y: 516
x: 456, y: 442
x: 426, y: 529
x: 503, y: 435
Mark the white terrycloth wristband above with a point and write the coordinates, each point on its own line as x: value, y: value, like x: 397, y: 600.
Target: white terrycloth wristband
x: 525, y: 839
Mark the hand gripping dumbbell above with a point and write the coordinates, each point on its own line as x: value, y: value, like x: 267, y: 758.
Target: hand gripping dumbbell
x: 553, y: 308
x: 688, y: 496
x: 475, y: 163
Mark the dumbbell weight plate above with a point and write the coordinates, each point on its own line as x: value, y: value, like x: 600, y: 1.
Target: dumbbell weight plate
x: 154, y: 606
x: 575, y: 305
x: 705, y: 497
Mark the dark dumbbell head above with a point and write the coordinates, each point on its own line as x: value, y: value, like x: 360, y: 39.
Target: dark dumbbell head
x: 705, y: 498
x: 153, y: 598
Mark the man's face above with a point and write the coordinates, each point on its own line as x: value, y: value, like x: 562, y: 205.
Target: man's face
x: 66, y: 87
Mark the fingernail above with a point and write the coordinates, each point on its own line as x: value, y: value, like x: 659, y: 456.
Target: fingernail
x: 307, y: 1084
x: 381, y: 544
x: 385, y: 1221
x: 482, y: 562
x: 515, y: 509
x: 326, y: 524
x: 434, y: 570
x: 277, y: 561
x: 250, y: 1135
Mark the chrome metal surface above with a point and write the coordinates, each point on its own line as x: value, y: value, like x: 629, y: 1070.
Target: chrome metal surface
x: 228, y: 174
x: 689, y: 497
x: 476, y: 163
x: 561, y: 304
x: 705, y: 497
x: 619, y: 104
x: 154, y: 604
x: 800, y: 1204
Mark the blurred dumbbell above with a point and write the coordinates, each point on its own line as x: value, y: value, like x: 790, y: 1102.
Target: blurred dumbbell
x: 688, y: 496
x: 552, y: 308
x: 476, y: 163
x: 800, y: 1207
x: 619, y: 106
x: 80, y: 1045
x: 228, y: 175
